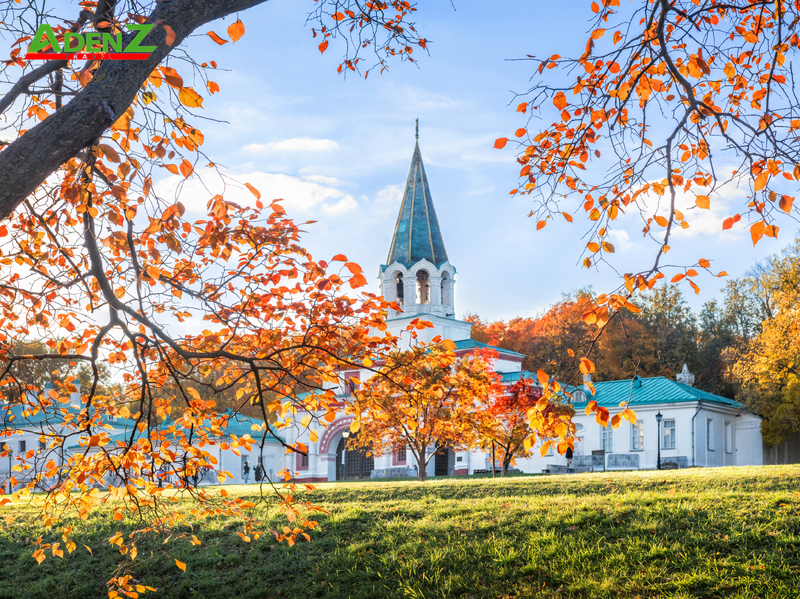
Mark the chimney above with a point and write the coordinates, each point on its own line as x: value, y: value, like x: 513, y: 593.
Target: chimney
x: 587, y: 378
x: 637, y: 382
x: 685, y: 377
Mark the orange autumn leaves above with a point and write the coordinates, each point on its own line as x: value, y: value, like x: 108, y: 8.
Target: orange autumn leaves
x: 708, y: 93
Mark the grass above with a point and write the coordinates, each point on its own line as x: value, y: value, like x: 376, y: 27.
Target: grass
x: 731, y: 532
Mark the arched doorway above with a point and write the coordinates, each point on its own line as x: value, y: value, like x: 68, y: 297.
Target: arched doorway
x: 352, y: 463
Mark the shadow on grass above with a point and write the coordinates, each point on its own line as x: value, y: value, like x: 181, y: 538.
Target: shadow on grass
x: 723, y: 533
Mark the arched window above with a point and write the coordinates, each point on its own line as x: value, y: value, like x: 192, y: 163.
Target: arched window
x: 423, y: 287
x: 399, y: 285
x: 447, y: 289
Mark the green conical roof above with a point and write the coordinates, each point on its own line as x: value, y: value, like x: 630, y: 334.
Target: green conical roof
x: 417, y: 234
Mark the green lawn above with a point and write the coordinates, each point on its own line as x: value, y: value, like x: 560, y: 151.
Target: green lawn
x: 731, y: 532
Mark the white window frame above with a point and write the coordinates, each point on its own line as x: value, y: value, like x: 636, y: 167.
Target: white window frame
x: 607, y: 439
x: 728, y: 437
x: 671, y: 437
x: 637, y: 436
x: 710, y: 434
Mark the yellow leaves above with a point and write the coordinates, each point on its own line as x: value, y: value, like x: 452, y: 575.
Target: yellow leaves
x: 629, y: 415
x: 186, y: 168
x: 355, y: 426
x: 170, y: 35
x: 306, y: 421
x: 236, y: 30
x: 181, y: 565
x: 499, y: 144
x: 730, y: 70
x: 661, y: 221
x: 560, y: 101
x: 195, y: 541
x: 590, y: 407
x: 449, y: 345
x: 616, y: 420
x: 761, y: 181
x: 586, y: 366
x: 39, y: 555
x: 190, y: 98
x: 366, y: 362
x: 703, y: 202
x: 216, y: 38
x: 598, y: 33
x: 545, y: 448
x: 313, y: 435
x: 323, y: 46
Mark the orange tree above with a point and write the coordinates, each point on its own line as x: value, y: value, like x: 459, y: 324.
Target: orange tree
x: 174, y: 305
x: 419, y: 398
x: 502, y: 424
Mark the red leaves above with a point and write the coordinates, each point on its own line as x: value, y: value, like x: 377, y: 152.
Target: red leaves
x: 500, y: 143
x: 337, y: 16
x: 520, y: 132
x: 236, y: 30
x: 729, y: 222
x: 216, y: 38
x: 523, y: 108
x: 785, y: 203
x: 323, y: 46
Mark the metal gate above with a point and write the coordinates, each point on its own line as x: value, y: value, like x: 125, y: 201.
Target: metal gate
x: 354, y: 463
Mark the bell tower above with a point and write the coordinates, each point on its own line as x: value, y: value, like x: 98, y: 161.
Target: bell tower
x: 417, y: 274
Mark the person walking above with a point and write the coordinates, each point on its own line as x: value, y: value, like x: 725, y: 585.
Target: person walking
x: 257, y: 473
x: 246, y: 472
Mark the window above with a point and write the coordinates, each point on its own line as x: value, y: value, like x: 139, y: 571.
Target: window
x: 21, y: 447
x: 728, y: 438
x: 110, y: 418
x: 400, y: 456
x: 351, y: 381
x: 608, y: 439
x: 459, y: 459
x: 399, y: 287
x: 423, y: 287
x: 637, y: 436
x: 668, y: 438
x: 303, y: 460
x: 710, y: 434
x: 42, y: 445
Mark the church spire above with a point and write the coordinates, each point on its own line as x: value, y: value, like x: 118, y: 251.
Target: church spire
x: 417, y: 235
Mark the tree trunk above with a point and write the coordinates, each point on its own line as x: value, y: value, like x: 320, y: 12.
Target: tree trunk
x: 37, y: 154
x: 422, y: 474
x: 506, y: 461
x: 493, y: 459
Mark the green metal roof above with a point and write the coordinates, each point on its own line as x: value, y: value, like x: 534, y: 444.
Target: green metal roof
x: 417, y: 234
x: 651, y: 391
x: 472, y: 344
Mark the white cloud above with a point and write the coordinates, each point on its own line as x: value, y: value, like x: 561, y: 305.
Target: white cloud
x: 298, y: 195
x: 322, y: 179
x: 255, y: 148
x: 391, y: 194
x: 303, y: 144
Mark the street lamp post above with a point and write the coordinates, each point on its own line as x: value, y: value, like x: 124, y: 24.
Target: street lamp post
x: 658, y: 420
x: 10, y: 455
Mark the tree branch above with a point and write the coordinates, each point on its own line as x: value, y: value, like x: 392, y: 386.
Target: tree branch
x: 30, y: 159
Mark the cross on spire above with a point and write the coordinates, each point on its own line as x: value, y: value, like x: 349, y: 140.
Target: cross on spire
x: 417, y: 133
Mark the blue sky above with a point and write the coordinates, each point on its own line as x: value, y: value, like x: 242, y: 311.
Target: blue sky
x: 338, y: 151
